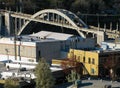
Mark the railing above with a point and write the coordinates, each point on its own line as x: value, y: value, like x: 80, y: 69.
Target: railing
x: 29, y: 17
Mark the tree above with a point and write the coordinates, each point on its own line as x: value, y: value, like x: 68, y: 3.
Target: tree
x: 73, y: 69
x: 80, y: 5
x: 43, y: 4
x: 87, y: 6
x: 111, y: 64
x: 11, y: 83
x: 44, y: 78
x: 96, y: 6
x: 73, y: 77
x: 57, y: 3
x: 71, y: 64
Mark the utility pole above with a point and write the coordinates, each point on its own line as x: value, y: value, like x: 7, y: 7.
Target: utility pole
x: 15, y: 31
x: 98, y: 19
x: 116, y: 36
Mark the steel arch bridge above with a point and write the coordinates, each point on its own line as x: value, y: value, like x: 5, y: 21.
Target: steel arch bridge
x: 58, y: 17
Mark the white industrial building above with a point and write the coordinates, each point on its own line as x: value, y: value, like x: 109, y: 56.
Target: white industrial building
x: 49, y: 45
x: 67, y: 40
x: 111, y: 44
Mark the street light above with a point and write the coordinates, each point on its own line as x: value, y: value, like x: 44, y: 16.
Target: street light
x: 7, y: 54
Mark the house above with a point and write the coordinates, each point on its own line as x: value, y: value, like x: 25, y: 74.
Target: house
x: 95, y: 62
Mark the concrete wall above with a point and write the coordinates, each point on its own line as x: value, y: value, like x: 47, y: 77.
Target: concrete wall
x: 100, y: 37
x: 25, y: 51
x: 48, y: 50
x: 8, y: 23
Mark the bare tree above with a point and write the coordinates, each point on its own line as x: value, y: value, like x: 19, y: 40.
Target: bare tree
x: 111, y: 64
x: 71, y: 64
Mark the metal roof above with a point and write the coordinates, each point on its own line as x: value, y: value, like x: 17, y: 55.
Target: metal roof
x: 52, y: 35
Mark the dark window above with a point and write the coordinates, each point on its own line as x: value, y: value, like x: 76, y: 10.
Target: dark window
x: 84, y: 59
x: 74, y: 57
x: 93, y: 61
x: 89, y: 60
x: 39, y: 53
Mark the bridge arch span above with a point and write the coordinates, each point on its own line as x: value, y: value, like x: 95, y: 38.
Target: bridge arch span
x: 60, y: 14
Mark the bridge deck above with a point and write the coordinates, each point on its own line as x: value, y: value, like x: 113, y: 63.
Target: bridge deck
x: 92, y: 29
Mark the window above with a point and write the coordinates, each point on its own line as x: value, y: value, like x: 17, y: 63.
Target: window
x: 89, y: 60
x: 78, y: 58
x: 84, y: 59
x: 93, y: 61
x: 92, y: 71
x: 39, y: 54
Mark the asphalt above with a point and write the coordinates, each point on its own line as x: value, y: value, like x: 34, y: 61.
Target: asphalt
x: 99, y: 84
x: 92, y: 84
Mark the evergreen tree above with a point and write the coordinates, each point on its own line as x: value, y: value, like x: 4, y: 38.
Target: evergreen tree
x: 44, y: 78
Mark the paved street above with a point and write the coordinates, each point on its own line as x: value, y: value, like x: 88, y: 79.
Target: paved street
x: 99, y: 84
x: 93, y: 84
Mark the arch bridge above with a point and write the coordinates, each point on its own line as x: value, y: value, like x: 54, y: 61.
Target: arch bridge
x: 58, y: 17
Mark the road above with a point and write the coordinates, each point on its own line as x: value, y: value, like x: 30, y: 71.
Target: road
x: 99, y: 84
x: 92, y: 84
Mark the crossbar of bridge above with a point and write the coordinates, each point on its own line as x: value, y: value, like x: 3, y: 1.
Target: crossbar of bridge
x: 28, y: 17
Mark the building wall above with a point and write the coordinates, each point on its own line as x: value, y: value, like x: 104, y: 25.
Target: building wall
x: 78, y: 43
x: 89, y: 60
x: 88, y: 43
x: 107, y: 60
x: 30, y: 51
x: 110, y: 45
x: 24, y: 52
x: 99, y: 63
x: 48, y: 50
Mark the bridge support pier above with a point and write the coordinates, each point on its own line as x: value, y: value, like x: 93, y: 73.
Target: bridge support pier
x: 20, y: 24
x: 0, y: 24
x: 7, y: 23
x: 100, y: 37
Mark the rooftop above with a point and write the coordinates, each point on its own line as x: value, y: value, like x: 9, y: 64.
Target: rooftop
x: 42, y: 36
x: 51, y: 35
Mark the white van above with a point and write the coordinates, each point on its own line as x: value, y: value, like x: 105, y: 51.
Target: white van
x: 5, y: 75
x: 8, y: 74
